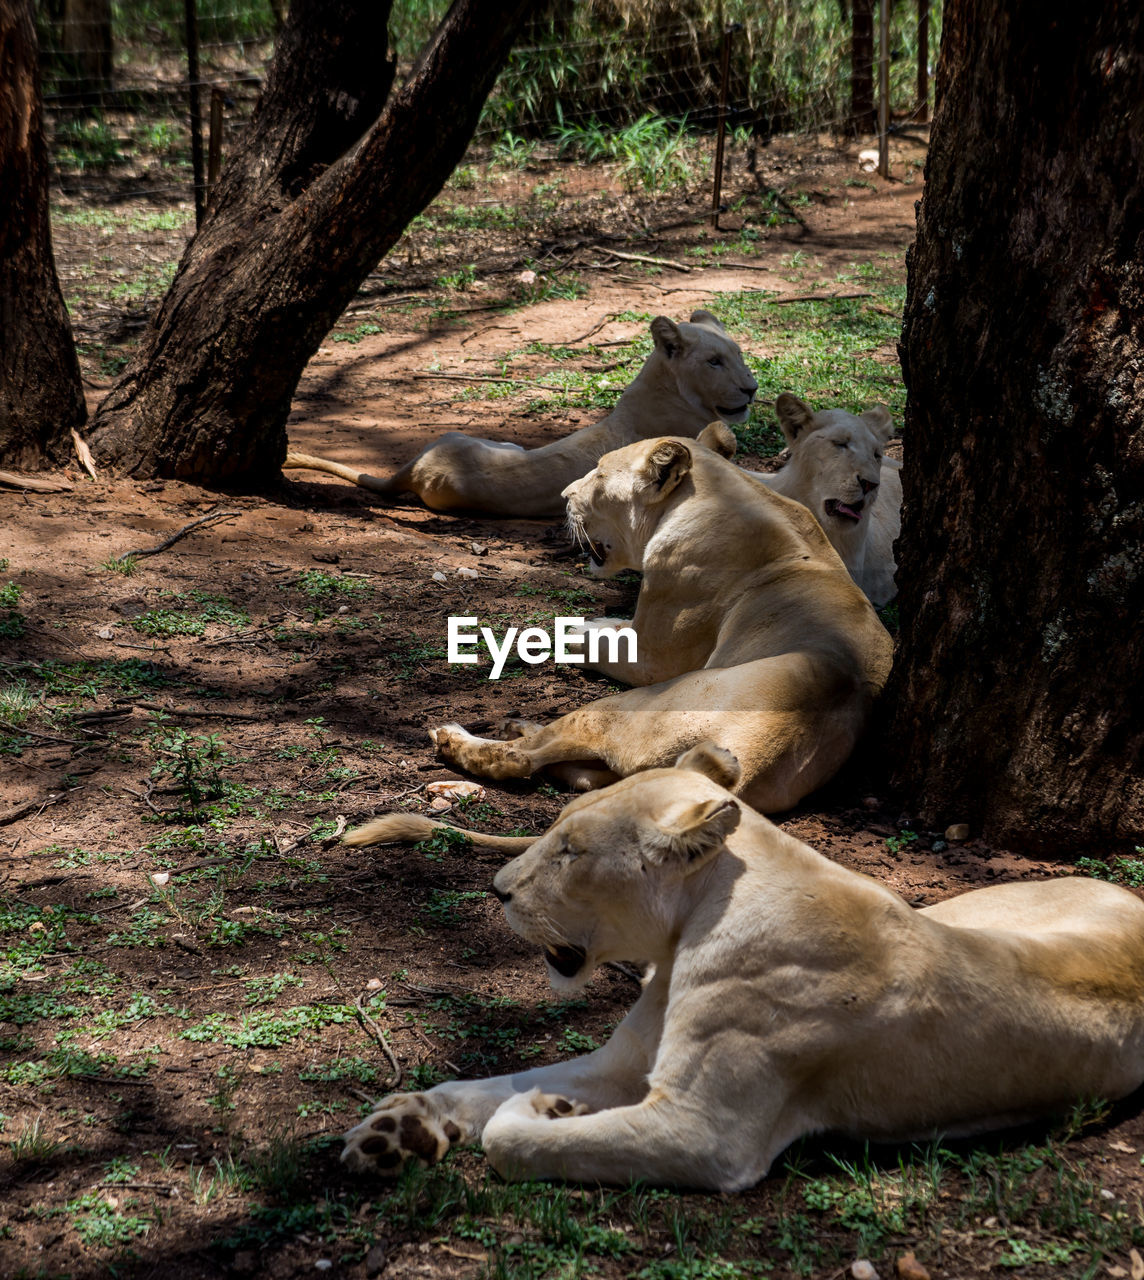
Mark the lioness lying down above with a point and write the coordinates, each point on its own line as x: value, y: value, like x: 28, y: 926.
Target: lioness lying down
x: 748, y: 628
x: 695, y: 373
x: 789, y: 996
x: 837, y: 470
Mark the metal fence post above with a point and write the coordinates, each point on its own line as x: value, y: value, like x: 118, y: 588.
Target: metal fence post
x: 196, y: 114
x: 724, y: 83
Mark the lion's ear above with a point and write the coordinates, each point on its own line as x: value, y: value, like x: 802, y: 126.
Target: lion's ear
x: 697, y: 832
x: 879, y: 421
x: 795, y: 418
x: 667, y: 336
x: 719, y: 438
x: 667, y: 464
x: 712, y: 761
x: 708, y: 321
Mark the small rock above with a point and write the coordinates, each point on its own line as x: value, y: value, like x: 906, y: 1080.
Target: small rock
x: 939, y: 846
x: 478, y: 548
x: 467, y: 573
x: 376, y: 1259
x: 439, y: 804
x: 909, y: 1268
x: 374, y: 984
x: 867, y: 160
x: 160, y: 877
x: 324, y: 557
x: 438, y: 576
x: 323, y: 1264
x: 863, y: 1269
x: 105, y: 633
x: 1105, y: 1194
x: 871, y: 802
x: 958, y: 832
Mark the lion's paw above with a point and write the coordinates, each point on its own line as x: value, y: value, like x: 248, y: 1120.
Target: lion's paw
x: 545, y: 1106
x: 509, y: 728
x: 404, y: 1127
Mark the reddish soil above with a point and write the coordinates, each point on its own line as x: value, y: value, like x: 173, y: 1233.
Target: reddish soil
x: 323, y: 702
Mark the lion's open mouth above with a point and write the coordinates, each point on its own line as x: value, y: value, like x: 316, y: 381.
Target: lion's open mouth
x: 845, y: 510
x: 567, y: 961
x: 597, y: 552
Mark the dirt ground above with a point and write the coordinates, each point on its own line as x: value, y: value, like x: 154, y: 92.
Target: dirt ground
x: 178, y: 990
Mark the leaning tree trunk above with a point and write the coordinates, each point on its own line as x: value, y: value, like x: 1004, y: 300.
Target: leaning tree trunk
x: 1017, y: 702
x: 41, y: 395
x: 324, y: 182
x: 862, y: 115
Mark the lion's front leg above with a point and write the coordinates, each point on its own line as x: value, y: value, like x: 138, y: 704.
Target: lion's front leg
x: 486, y: 757
x: 660, y: 1141
x: 423, y: 1126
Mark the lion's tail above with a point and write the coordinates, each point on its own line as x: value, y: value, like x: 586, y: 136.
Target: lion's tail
x: 409, y: 828
x: 308, y: 462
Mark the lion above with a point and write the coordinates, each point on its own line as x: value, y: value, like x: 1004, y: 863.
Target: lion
x: 694, y: 374
x: 747, y: 627
x: 837, y: 471
x: 787, y: 996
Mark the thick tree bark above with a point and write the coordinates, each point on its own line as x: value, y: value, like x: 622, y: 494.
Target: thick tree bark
x: 862, y: 115
x: 1017, y: 702
x: 41, y: 396
x: 322, y: 185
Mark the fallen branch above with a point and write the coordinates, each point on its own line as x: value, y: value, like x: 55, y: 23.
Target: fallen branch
x: 175, y: 537
x: 816, y: 297
x: 595, y: 329
x: 186, y: 712
x: 376, y: 1032
x: 24, y: 732
x: 466, y: 377
x: 34, y: 484
x: 22, y: 810
x: 653, y: 262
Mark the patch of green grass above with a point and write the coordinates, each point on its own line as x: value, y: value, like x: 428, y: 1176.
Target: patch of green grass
x: 193, y: 611
x: 355, y: 335
x: 267, y: 1029
x: 895, y: 844
x: 89, y: 678
x: 12, y: 621
x: 18, y: 702
x: 833, y: 354
x: 652, y: 152
x: 442, y: 909
x: 151, y: 282
x: 85, y: 143
x: 1117, y: 870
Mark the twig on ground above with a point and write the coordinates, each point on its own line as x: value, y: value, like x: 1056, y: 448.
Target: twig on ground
x: 201, y: 715
x: 646, y: 258
x: 25, y: 732
x: 376, y: 1032
x: 175, y: 537
x: 22, y: 810
x: 140, y: 796
x: 465, y: 377
x: 816, y: 297
x: 595, y: 329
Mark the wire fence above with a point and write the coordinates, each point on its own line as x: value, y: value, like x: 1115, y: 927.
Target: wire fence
x: 120, y: 90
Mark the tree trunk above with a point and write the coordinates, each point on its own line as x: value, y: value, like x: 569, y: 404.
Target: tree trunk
x: 862, y: 117
x: 321, y: 186
x: 86, y: 50
x: 41, y: 396
x: 1017, y: 703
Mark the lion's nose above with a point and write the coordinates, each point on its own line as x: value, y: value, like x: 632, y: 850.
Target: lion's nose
x: 750, y: 389
x: 868, y: 486
x: 502, y: 895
